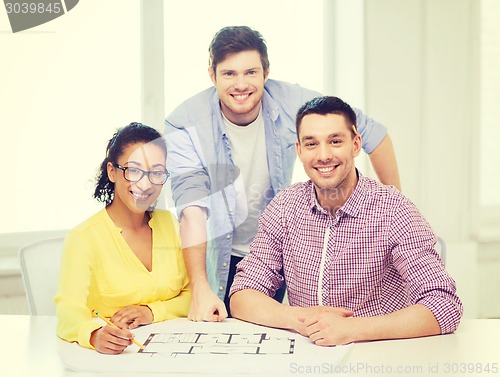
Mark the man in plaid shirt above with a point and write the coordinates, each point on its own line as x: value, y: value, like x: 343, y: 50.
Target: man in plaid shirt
x: 358, y: 258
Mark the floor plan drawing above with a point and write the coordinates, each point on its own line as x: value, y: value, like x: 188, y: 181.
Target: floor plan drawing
x: 176, y: 344
x: 186, y: 348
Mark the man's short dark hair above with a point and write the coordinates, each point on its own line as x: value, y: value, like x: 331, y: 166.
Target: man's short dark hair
x: 233, y: 39
x: 323, y: 106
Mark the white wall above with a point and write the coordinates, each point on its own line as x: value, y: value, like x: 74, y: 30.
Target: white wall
x: 421, y: 59
x: 418, y: 81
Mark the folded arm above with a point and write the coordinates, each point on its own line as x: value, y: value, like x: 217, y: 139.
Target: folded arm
x: 329, y: 326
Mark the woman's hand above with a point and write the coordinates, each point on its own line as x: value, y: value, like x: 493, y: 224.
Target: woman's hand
x: 132, y: 316
x: 110, y: 340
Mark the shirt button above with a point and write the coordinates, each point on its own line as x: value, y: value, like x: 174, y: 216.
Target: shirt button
x: 221, y: 288
x: 228, y: 236
x: 224, y: 264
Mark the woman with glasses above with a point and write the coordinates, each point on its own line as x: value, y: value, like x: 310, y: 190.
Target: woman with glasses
x: 124, y: 262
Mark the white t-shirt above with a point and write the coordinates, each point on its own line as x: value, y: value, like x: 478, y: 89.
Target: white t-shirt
x: 253, y: 185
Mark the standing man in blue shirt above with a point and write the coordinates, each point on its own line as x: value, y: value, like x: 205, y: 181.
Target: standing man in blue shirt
x: 231, y: 149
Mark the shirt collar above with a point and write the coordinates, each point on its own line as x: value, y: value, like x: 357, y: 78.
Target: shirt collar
x: 271, y: 107
x: 352, y: 206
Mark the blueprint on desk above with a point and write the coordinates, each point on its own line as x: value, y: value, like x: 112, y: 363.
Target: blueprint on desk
x: 211, y: 348
x: 197, y: 343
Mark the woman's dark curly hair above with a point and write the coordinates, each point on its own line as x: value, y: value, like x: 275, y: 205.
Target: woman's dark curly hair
x: 123, y: 137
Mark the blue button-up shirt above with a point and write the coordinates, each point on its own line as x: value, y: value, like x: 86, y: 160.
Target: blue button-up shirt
x: 202, y: 168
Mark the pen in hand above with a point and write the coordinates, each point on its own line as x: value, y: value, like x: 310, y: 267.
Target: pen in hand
x: 140, y: 345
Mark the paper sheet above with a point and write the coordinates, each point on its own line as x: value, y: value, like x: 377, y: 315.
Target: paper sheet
x: 183, y: 346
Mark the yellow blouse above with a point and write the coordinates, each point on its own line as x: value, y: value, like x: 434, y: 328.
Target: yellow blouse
x: 100, y: 272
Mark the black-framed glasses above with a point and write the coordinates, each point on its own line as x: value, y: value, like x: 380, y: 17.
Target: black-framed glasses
x: 132, y: 174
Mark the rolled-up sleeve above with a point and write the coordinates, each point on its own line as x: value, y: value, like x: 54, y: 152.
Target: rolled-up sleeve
x: 446, y: 307
x: 420, y: 266
x: 190, y: 182
x: 372, y: 132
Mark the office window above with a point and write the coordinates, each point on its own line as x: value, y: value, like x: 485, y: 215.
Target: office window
x: 65, y: 87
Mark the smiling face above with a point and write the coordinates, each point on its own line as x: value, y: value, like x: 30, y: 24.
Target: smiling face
x: 138, y: 196
x: 239, y: 82
x: 327, y: 150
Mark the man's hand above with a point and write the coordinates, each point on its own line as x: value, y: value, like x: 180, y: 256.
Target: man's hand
x: 206, y: 306
x: 132, y: 316
x: 327, y: 326
x: 110, y: 340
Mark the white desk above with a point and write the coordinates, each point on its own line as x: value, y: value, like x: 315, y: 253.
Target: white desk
x: 29, y: 347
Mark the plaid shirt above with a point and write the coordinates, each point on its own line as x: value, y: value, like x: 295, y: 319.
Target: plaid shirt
x: 375, y: 256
